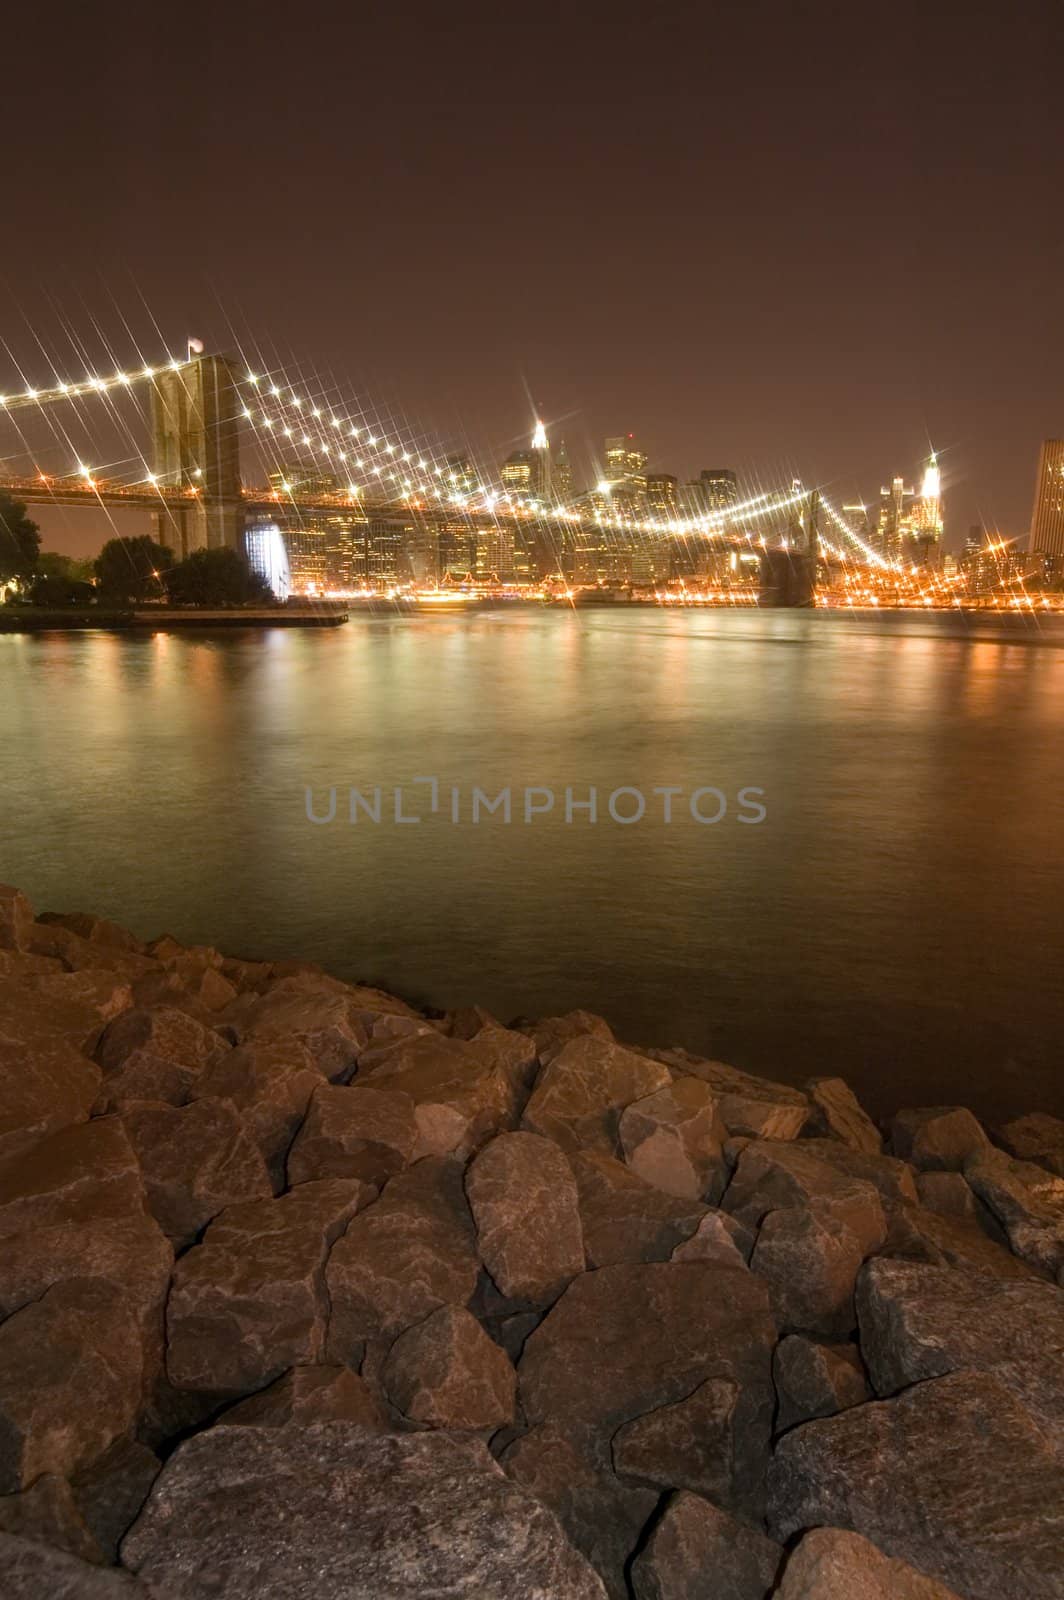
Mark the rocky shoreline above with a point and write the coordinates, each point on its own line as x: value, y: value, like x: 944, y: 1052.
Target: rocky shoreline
x: 307, y: 1294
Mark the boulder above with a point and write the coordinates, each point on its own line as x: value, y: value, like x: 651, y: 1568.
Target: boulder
x: 403, y: 1258
x: 16, y: 918
x: 674, y: 1140
x: 188, y: 986
x: 552, y: 1034
x: 85, y: 1171
x: 918, y: 1234
x: 624, y: 1218
x: 102, y: 995
x: 526, y: 1208
x: 697, y: 1550
x: 922, y: 1322
x: 771, y: 1176
x: 33, y: 1571
x: 816, y: 1380
x: 937, y: 1138
x: 461, y: 1097
x: 952, y: 1476
x: 327, y: 1022
x: 750, y: 1107
x: 810, y: 1259
x: 164, y: 1031
x: 568, y: 1470
x: 48, y: 1512
x: 718, y: 1237
x: 145, y: 1077
x: 947, y: 1194
x: 1028, y: 1201
x: 45, y: 1082
x: 86, y: 955
x: 250, y: 1301
x: 71, y: 1376
x: 579, y: 1096
x: 836, y: 1113
x: 97, y: 930
x: 446, y: 1372
x: 1037, y: 1137
x: 309, y: 1394
x: 698, y: 1443
x: 829, y: 1564
x: 271, y: 1085
x: 366, y: 1516
x: 196, y: 1160
x: 355, y: 1132
x: 111, y: 1490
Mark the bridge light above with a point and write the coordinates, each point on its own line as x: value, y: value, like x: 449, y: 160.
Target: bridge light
x: 252, y: 378
x: 275, y: 391
x: 287, y: 432
x: 197, y: 472
x: 406, y: 455
x: 336, y: 422
x: 352, y: 489
x: 149, y: 372
x: 287, y: 487
x: 153, y: 477
x: 315, y: 412
x: 354, y: 433
x: 370, y: 439
x: 97, y: 383
x: 297, y: 402
x: 121, y: 377
x: 175, y: 365
x: 305, y: 439
x: 390, y: 449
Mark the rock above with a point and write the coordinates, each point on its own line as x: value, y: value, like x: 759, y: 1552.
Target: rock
x: 579, y: 1096
x: 698, y: 1443
x: 810, y: 1259
x: 447, y: 1373
x: 45, y: 1082
x: 718, y: 1237
x: 629, y: 1339
x: 829, y: 1564
x: 525, y: 1205
x: 1037, y: 1137
x: 86, y: 955
x: 467, y: 1021
x: 750, y: 1107
x: 104, y: 995
x: 15, y: 965
x: 947, y: 1194
x: 32, y: 1571
x: 142, y: 1077
x: 71, y: 1375
x: 937, y: 1138
x: 674, y: 1140
x: 696, y: 1550
x: 187, y: 986
x: 816, y: 1380
x: 355, y: 1132
x: 403, y: 1258
x: 309, y: 1394
x: 250, y: 1301
x: 48, y: 1512
x: 917, y: 1234
x: 365, y: 1517
x: 952, y: 1477
x: 326, y: 1022
x: 271, y: 1085
x: 836, y: 1113
x: 771, y: 1176
x: 110, y: 1492
x: 88, y: 1170
x: 1028, y: 1201
x: 511, y: 1332
x: 461, y: 1098
x: 552, y: 1034
x: 922, y: 1322
x: 569, y: 1472
x: 625, y: 1218
x: 164, y: 1031
x: 16, y: 918
x: 97, y: 930
x: 196, y: 1160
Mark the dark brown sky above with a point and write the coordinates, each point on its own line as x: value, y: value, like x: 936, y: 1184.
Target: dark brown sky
x: 781, y: 237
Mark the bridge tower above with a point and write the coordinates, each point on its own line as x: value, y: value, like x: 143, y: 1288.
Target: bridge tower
x: 788, y: 576
x: 196, y: 445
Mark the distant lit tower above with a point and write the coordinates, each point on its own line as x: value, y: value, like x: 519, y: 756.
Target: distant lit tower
x: 856, y: 518
x: 926, y: 532
x: 1047, y: 516
x: 720, y: 488
x: 663, y: 494
x: 894, y: 523
x: 541, y: 457
x: 625, y: 462
x: 561, y: 476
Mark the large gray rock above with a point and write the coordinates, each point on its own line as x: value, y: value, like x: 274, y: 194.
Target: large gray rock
x: 1028, y: 1201
x: 447, y: 1373
x: 196, y: 1160
x: 250, y: 1301
x: 33, y: 1571
x: 354, y: 1132
x: 698, y: 1552
x: 270, y: 1083
x: 750, y: 1107
x: 525, y: 1205
x: 922, y: 1322
x: 836, y: 1113
x: 461, y: 1097
x: 624, y: 1218
x: 829, y: 1564
x: 309, y: 1394
x: 674, y: 1139
x: 1038, y: 1137
x: 579, y: 1096
x: 937, y: 1138
x: 334, y: 1512
x: 953, y: 1477
x: 816, y: 1380
x: 407, y: 1255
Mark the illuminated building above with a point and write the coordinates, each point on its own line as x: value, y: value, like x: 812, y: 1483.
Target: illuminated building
x: 894, y: 523
x: 461, y: 474
x: 720, y: 488
x: 922, y: 540
x: 856, y: 517
x: 268, y: 558
x: 541, y: 478
x: 1047, y: 516
x: 518, y: 474
x: 662, y: 497
x: 561, y: 475
x: 625, y: 463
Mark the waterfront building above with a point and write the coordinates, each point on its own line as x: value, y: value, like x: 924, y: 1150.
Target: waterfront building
x: 268, y: 558
x: 1047, y: 516
x: 625, y: 462
x: 662, y: 494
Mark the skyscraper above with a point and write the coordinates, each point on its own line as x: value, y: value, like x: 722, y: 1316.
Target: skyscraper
x: 662, y: 493
x: 541, y: 457
x: 625, y: 461
x: 895, y: 514
x: 926, y: 532
x: 561, y: 475
x: 1047, y: 517
x: 720, y: 488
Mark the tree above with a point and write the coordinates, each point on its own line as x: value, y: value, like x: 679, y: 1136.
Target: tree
x: 133, y: 569
x: 20, y: 540
x: 51, y: 564
x: 215, y: 578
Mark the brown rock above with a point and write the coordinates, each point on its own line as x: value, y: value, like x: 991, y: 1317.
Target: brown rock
x: 1028, y: 1201
x: 196, y: 1160
x: 829, y: 1564
x: 699, y: 1443
x: 626, y: 1219
x: 48, y: 1512
x: 750, y: 1107
x: 310, y: 1394
x: 674, y: 1139
x: 355, y: 1132
x: 467, y: 1021
x: 110, y: 1492
x: 271, y: 1085
x: 16, y: 918
x: 937, y: 1138
x: 917, y: 1234
x: 326, y: 1021
x: 165, y: 1032
x: 718, y: 1237
x: 71, y: 1375
x: 97, y: 930
x: 145, y: 1076
x: 696, y: 1550
x: 551, y: 1034
x: 88, y: 1170
x: 86, y: 955
x: 1037, y: 1137
x: 951, y: 1476
x: 250, y: 1301
x: 447, y: 1373
x: 29, y: 1571
x: 525, y: 1205
x: 947, y: 1194
x: 836, y: 1113
x: 810, y: 1259
x: 579, y: 1096
x: 403, y: 1258
x: 771, y: 1176
x: 105, y: 995
x: 816, y: 1380
x: 460, y: 1098
x: 45, y: 1084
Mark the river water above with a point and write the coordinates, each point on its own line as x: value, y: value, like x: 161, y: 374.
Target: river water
x: 897, y: 917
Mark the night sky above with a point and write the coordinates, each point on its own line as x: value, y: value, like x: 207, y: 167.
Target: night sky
x: 782, y: 238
